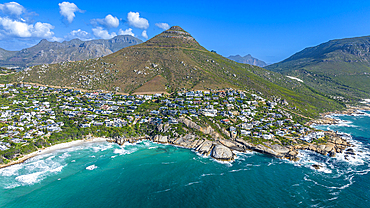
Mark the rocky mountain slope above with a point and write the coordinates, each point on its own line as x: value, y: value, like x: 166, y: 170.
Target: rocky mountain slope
x: 171, y: 61
x: 339, y: 68
x: 46, y: 52
x: 248, y: 59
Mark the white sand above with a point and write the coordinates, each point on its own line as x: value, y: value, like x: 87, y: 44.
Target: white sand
x: 54, y: 148
x: 68, y: 145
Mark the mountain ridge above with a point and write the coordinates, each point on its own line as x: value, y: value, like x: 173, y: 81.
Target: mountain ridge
x: 338, y: 68
x: 46, y: 52
x: 248, y: 59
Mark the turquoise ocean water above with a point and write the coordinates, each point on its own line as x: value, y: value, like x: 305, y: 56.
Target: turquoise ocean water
x: 154, y: 175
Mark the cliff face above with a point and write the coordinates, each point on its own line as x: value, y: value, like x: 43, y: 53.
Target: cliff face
x: 46, y: 52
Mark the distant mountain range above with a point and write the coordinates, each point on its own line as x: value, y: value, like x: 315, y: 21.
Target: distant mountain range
x: 172, y: 61
x: 339, y: 68
x: 46, y: 52
x: 248, y: 59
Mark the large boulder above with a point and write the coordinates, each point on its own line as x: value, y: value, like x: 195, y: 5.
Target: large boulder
x: 205, y: 148
x: 280, y: 149
x: 163, y: 139
x: 232, y: 145
x: 220, y: 152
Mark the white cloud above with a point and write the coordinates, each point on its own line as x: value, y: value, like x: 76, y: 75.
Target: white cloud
x: 144, y: 34
x: 12, y: 8
x: 80, y: 34
x: 135, y: 20
x: 21, y: 29
x: 126, y: 32
x: 101, y: 33
x: 108, y: 22
x: 67, y: 10
x: 15, y: 28
x: 163, y: 26
x: 42, y: 30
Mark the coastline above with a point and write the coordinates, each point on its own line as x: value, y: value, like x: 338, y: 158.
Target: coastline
x: 53, y: 148
x: 324, y: 118
x: 224, y: 155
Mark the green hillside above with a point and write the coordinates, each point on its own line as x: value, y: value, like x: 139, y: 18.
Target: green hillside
x: 171, y: 61
x: 339, y: 68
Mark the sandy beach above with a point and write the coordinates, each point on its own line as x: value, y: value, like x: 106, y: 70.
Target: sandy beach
x: 54, y: 148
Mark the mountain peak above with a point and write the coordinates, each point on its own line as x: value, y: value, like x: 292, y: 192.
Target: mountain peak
x: 177, y: 28
x: 43, y: 41
x: 174, y: 37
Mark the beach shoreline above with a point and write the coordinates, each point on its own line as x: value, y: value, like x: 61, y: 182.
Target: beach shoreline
x: 54, y: 148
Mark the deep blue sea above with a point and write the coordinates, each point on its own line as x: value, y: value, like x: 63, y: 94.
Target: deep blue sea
x: 153, y: 175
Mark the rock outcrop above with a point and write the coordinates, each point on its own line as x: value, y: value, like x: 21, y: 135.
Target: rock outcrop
x: 206, y: 130
x: 205, y: 148
x: 221, y: 149
x: 220, y: 152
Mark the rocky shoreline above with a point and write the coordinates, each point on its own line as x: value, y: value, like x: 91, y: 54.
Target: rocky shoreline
x: 222, y: 149
x: 326, y: 120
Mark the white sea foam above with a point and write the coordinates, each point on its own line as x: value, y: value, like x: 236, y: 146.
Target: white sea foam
x: 228, y: 163
x: 163, y: 191
x: 308, y: 159
x: 237, y: 170
x: 64, y: 155
x: 191, y: 183
x: 91, y: 167
x: 29, y: 178
x: 207, y: 174
x: 38, y: 168
x: 123, y: 151
x: 11, y: 170
x: 102, y: 147
x: 36, y: 171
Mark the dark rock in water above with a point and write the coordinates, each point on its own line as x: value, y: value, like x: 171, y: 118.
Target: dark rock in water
x: 346, y: 157
x: 332, y: 154
x: 350, y: 150
x: 316, y: 166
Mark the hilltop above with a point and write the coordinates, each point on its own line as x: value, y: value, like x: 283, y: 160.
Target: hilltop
x: 247, y: 59
x: 339, y: 68
x: 46, y: 52
x: 172, y: 61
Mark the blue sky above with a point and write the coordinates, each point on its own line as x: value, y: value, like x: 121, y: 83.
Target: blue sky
x: 268, y: 30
